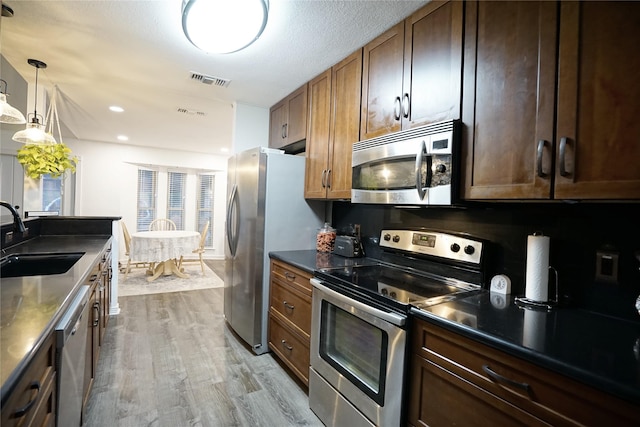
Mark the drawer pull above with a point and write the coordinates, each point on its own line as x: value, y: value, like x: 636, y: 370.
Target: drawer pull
x: 96, y: 319
x: 20, y: 412
x: 290, y: 276
x: 504, y: 380
x: 288, y: 306
x: 287, y: 346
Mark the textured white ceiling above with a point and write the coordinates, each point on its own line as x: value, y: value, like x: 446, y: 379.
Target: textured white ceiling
x: 133, y: 54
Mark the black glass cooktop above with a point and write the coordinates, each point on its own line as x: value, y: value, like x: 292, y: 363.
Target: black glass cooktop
x: 393, y: 284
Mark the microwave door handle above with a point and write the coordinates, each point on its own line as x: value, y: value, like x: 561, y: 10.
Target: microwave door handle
x: 419, y: 160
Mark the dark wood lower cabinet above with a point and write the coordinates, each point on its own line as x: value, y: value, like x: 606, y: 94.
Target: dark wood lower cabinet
x: 33, y: 401
x: 455, y: 380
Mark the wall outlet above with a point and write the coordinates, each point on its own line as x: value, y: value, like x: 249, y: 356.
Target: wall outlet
x: 8, y: 238
x: 607, y: 266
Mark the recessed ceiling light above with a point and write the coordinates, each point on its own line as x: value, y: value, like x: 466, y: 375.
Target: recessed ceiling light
x: 123, y: 138
x: 116, y: 109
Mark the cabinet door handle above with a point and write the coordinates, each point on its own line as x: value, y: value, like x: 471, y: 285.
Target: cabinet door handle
x: 504, y: 380
x: 397, y: 108
x: 540, y: 152
x: 96, y: 319
x: 20, y: 412
x: 563, y: 153
x: 287, y: 346
x: 282, y: 134
x: 324, y: 178
x: 328, y: 178
x: 286, y: 130
x: 405, y: 105
x: 288, y: 306
x: 290, y: 276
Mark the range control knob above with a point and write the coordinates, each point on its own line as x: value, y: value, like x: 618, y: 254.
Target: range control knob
x: 455, y: 247
x: 396, y: 238
x: 441, y: 168
x: 387, y: 237
x: 469, y: 249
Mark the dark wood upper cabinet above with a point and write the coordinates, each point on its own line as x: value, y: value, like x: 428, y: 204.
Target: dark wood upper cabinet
x: 334, y: 120
x: 598, y: 130
x: 288, y: 119
x: 432, y: 64
x: 412, y: 72
x: 513, y: 84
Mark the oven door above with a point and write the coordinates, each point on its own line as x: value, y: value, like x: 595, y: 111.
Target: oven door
x: 358, y: 353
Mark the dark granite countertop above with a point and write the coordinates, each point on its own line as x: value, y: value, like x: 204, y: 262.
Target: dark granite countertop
x: 31, y: 306
x: 311, y: 260
x: 600, y: 351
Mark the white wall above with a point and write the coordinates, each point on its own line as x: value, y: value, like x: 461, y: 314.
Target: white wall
x: 107, y: 177
x: 250, y: 128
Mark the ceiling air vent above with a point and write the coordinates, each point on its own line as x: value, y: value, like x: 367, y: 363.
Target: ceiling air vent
x: 210, y: 80
x: 189, y: 112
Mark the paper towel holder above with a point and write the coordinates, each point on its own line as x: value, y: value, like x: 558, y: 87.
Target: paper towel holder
x: 549, y: 305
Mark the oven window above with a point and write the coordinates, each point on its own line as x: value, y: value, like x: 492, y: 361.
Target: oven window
x: 395, y: 174
x: 355, y: 348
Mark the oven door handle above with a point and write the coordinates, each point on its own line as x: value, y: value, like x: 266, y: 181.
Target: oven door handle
x: 396, y: 319
x: 419, y: 159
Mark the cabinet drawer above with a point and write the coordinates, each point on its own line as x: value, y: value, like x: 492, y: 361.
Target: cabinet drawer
x: 432, y: 404
x: 292, y: 305
x: 292, y: 276
x: 292, y: 350
x: 32, y: 402
x: 549, y: 396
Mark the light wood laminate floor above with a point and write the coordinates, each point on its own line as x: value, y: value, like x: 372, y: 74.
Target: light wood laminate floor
x: 170, y: 360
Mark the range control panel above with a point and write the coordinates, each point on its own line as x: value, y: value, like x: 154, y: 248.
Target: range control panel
x: 433, y: 243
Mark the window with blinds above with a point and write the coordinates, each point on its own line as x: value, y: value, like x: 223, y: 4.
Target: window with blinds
x: 205, y: 199
x: 147, y: 184
x: 175, y: 198
x: 51, y: 193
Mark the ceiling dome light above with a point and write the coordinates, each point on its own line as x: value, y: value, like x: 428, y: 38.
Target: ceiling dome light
x: 217, y: 26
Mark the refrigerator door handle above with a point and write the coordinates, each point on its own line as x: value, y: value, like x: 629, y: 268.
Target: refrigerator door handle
x: 232, y: 239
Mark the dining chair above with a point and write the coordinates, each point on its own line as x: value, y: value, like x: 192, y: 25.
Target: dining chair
x: 127, y: 246
x: 162, y: 224
x: 199, y: 250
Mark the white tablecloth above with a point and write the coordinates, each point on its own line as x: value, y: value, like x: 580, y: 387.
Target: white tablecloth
x: 158, y: 246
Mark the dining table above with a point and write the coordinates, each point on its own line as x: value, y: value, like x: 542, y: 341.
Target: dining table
x: 161, y: 249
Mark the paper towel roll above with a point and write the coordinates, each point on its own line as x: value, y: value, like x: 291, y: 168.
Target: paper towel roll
x: 537, y: 278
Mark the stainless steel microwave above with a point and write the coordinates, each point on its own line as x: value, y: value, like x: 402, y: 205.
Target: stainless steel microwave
x: 412, y: 167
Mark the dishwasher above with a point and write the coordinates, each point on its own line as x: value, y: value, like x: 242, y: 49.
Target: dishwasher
x: 71, y: 349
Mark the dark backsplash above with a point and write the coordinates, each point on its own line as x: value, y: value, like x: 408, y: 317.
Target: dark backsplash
x: 577, y: 231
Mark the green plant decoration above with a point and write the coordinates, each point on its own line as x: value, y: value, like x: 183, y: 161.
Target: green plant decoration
x: 53, y: 159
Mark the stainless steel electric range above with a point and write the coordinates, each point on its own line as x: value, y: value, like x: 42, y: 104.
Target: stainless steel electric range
x: 360, y: 321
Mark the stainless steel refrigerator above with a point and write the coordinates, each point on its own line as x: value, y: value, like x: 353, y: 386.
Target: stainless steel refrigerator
x: 266, y: 211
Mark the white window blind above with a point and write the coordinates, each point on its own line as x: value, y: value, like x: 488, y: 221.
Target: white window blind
x: 175, y: 198
x: 205, y: 199
x: 51, y: 193
x: 147, y: 181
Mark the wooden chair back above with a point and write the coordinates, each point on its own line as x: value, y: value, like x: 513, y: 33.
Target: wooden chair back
x: 162, y: 224
x: 203, y: 236
x: 127, y: 238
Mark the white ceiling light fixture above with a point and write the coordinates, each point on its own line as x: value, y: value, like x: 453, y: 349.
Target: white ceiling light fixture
x: 9, y: 114
x: 34, y: 133
x: 223, y: 26
x: 116, y: 109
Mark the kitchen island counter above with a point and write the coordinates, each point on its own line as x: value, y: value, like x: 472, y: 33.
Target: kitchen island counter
x: 33, y: 305
x: 602, y: 352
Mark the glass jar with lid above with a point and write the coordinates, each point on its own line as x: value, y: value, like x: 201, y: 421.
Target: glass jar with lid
x: 325, y: 238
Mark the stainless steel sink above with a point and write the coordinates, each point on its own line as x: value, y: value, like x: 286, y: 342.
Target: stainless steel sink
x: 39, y: 264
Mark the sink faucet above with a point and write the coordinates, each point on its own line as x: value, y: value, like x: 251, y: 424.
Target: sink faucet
x: 18, y: 225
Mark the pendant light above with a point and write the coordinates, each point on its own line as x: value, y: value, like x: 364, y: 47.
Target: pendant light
x: 223, y: 26
x: 34, y: 132
x: 9, y: 114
